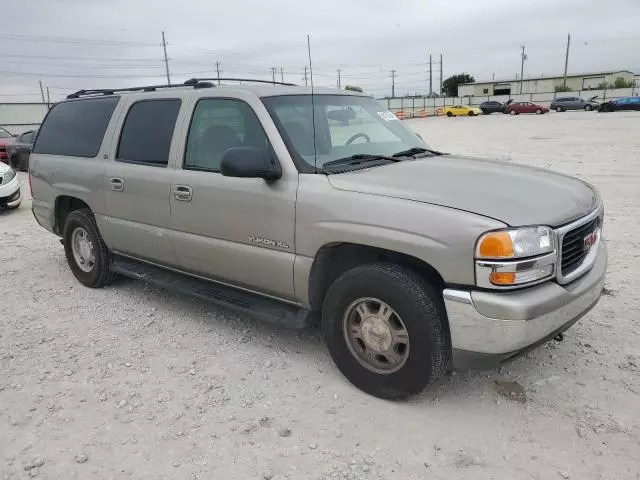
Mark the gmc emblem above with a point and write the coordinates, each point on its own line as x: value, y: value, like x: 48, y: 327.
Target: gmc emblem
x: 590, y: 240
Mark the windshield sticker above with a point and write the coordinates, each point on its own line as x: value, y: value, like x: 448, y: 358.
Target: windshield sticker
x: 387, y: 116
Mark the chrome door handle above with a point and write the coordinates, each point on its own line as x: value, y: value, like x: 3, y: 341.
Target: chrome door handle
x: 117, y: 184
x: 182, y: 193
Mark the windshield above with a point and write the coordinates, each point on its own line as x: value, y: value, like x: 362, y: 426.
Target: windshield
x: 4, y: 133
x: 345, y: 126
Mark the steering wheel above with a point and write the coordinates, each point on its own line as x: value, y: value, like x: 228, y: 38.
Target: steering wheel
x: 358, y: 135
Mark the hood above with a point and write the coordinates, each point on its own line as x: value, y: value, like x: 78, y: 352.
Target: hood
x: 514, y: 194
x: 4, y: 168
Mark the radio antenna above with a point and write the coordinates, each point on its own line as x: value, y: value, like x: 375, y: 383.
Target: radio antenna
x: 313, y: 108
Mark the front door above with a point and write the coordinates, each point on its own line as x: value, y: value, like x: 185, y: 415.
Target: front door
x: 138, y: 181
x: 236, y: 230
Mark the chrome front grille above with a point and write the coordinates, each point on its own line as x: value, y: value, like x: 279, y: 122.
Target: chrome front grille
x: 578, y: 243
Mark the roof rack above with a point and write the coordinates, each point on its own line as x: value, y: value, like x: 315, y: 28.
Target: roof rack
x: 197, y: 81
x: 145, y: 88
x: 193, y: 82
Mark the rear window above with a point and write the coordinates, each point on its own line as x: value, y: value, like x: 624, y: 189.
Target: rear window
x: 76, y: 128
x: 147, y: 132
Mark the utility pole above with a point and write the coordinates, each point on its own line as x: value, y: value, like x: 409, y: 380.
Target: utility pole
x: 339, y: 80
x: 48, y: 99
x: 430, y: 76
x: 218, y: 71
x: 273, y: 74
x: 41, y: 91
x: 566, y: 60
x: 393, y: 84
x: 306, y: 80
x: 440, y: 74
x: 281, y: 75
x: 166, y: 60
x: 523, y: 58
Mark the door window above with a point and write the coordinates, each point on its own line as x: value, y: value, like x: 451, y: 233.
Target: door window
x: 218, y: 125
x: 147, y: 132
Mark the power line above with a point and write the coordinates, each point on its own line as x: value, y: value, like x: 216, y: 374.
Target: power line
x: 85, y: 41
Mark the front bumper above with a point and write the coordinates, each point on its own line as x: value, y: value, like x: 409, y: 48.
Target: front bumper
x: 488, y: 328
x: 10, y: 195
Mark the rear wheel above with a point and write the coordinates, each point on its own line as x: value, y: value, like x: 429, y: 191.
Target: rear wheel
x: 87, y: 255
x: 386, y: 330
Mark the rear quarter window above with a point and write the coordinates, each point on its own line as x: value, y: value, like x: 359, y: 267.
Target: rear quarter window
x: 75, y: 128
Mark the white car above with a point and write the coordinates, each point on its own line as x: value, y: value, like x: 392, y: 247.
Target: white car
x: 9, y: 188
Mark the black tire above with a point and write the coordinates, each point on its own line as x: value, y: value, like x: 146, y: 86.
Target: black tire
x: 559, y: 109
x: 486, y: 112
x: 449, y: 114
x: 538, y: 112
x: 471, y: 114
x: 421, y: 309
x: 588, y: 108
x: 100, y: 275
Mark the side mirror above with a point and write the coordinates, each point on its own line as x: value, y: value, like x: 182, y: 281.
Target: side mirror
x: 249, y: 162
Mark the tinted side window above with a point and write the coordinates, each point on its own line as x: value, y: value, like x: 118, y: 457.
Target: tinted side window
x: 27, y: 137
x: 76, y: 128
x: 218, y: 125
x: 147, y: 132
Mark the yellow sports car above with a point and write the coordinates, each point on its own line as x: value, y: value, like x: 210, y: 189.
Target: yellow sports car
x: 459, y: 110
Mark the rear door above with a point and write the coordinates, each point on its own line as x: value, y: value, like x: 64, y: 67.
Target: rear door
x: 137, y: 181
x: 25, y: 144
x: 235, y: 230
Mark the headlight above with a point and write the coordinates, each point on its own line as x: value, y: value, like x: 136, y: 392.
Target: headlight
x: 7, y: 177
x: 515, y: 257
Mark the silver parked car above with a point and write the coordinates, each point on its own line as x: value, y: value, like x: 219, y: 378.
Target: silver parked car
x: 561, y: 104
x: 414, y: 260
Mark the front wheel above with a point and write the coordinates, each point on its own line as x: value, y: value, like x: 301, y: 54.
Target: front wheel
x: 471, y: 114
x: 449, y: 114
x: 386, y: 330
x: 559, y: 109
x: 588, y: 108
x: 538, y: 112
x: 513, y: 112
x: 87, y: 255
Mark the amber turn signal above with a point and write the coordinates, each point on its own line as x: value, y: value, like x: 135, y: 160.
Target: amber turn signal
x: 503, y: 278
x: 496, y: 245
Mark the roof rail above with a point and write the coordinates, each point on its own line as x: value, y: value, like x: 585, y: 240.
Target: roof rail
x: 197, y: 81
x: 144, y: 88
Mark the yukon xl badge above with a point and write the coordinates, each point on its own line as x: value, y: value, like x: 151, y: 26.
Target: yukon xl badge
x: 268, y: 243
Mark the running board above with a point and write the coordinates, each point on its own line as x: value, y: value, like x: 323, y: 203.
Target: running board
x: 261, y: 308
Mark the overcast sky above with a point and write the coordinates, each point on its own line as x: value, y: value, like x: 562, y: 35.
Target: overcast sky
x: 73, y: 44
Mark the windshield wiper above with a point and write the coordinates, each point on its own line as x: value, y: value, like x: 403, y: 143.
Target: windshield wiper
x: 358, y: 159
x: 416, y: 151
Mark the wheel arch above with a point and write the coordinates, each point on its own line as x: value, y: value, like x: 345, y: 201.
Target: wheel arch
x: 334, y: 259
x: 64, y: 205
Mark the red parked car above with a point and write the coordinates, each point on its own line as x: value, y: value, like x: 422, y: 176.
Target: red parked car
x: 517, y: 108
x: 5, y: 136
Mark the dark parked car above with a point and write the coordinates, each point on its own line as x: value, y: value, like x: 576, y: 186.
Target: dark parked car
x: 561, y: 104
x: 525, y: 107
x: 492, y: 106
x: 19, y: 150
x: 5, y: 137
x: 624, y: 103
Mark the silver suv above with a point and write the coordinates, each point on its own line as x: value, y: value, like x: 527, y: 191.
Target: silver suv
x: 414, y: 260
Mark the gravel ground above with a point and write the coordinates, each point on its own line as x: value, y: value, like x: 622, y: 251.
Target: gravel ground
x: 133, y: 382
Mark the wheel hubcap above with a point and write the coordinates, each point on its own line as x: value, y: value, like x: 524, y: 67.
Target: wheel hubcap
x: 82, y: 249
x: 376, y: 335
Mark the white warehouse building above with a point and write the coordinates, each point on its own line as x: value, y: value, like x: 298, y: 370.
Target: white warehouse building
x: 575, y: 82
